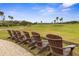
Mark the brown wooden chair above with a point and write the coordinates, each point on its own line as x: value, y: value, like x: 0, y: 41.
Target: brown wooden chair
x: 16, y: 35
x: 56, y: 46
x: 20, y: 37
x: 29, y: 40
x: 12, y: 35
x: 41, y: 45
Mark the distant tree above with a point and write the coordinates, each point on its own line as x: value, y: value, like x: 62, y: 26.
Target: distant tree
x: 57, y: 19
x: 16, y: 22
x: 71, y: 22
x: 4, y: 18
x: 61, y: 20
x: 2, y: 15
x: 10, y: 17
x: 54, y: 21
x: 35, y: 23
x: 41, y: 22
x: 24, y: 23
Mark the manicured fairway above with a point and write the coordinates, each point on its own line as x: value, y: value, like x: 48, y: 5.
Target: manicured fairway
x: 69, y: 32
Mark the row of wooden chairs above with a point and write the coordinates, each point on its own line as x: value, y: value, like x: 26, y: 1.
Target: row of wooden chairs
x: 53, y: 42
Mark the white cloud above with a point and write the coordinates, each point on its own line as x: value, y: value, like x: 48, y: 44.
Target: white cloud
x: 47, y: 10
x: 50, y: 10
x: 66, y: 5
x: 66, y: 9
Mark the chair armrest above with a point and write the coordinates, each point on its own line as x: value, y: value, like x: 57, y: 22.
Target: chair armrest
x: 68, y: 50
x: 70, y: 46
x: 43, y: 38
x: 56, y: 47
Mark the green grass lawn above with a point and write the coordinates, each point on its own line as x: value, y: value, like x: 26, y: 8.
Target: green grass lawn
x: 69, y: 32
x: 3, y: 32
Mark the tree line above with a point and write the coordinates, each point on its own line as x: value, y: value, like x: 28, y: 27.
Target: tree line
x: 12, y: 22
x: 58, y: 20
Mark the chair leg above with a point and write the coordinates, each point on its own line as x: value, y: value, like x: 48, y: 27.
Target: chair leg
x: 49, y: 54
x: 71, y: 52
x: 32, y: 47
x: 42, y: 49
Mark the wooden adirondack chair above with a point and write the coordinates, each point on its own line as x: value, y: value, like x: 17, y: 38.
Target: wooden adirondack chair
x: 56, y: 46
x: 12, y: 36
x: 29, y: 40
x: 15, y: 35
x: 20, y: 37
x: 10, y: 33
x: 41, y: 45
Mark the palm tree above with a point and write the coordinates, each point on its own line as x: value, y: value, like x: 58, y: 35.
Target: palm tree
x: 11, y: 17
x: 41, y: 22
x: 57, y: 19
x: 2, y: 15
x: 61, y: 20
x: 54, y: 21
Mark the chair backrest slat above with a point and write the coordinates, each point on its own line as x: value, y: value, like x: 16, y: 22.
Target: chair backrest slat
x: 37, y: 38
x: 27, y: 36
x: 56, y: 41
x: 15, y: 34
x: 10, y: 33
x: 19, y: 35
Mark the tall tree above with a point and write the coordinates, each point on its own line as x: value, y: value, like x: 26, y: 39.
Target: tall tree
x: 54, y: 21
x: 11, y: 18
x: 61, y: 20
x: 41, y: 22
x: 1, y: 13
x: 2, y: 16
x: 57, y: 19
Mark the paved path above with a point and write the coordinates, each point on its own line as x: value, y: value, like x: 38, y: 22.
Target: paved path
x: 11, y: 49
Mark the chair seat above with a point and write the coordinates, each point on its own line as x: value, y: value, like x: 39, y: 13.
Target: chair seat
x: 44, y: 44
x: 66, y: 51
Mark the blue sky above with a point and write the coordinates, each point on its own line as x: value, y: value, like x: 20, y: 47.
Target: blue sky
x: 36, y: 12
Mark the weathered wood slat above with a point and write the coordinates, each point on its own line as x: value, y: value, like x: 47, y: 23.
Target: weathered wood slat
x: 67, y: 42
